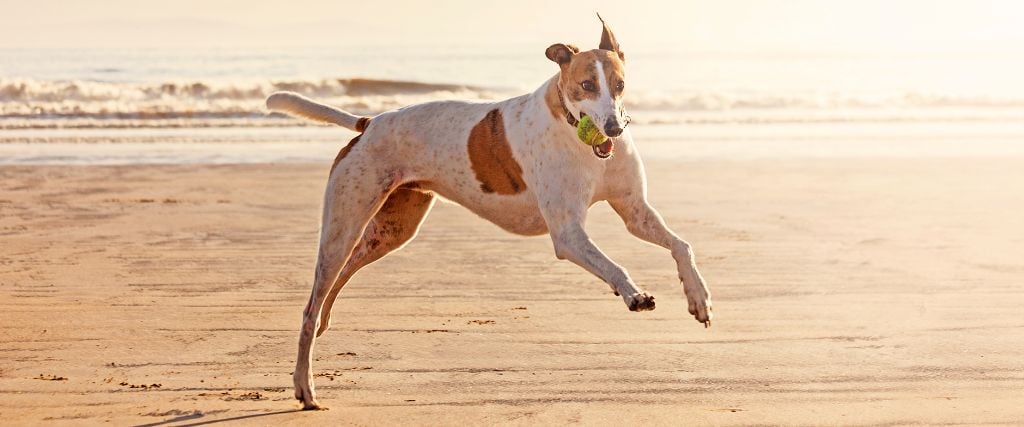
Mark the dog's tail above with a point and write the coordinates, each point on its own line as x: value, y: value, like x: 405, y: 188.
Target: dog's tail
x: 297, y: 105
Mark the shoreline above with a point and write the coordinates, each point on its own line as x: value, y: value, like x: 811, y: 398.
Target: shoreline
x: 679, y: 143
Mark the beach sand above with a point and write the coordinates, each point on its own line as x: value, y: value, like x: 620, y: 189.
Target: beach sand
x: 847, y: 291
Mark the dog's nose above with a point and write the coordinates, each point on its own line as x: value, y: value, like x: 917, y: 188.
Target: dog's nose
x: 611, y: 128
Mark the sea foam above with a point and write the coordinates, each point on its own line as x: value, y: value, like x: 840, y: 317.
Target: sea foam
x: 30, y: 103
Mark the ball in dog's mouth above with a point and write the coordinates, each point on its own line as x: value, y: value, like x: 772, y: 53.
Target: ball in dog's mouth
x: 589, y: 134
x: 605, y: 149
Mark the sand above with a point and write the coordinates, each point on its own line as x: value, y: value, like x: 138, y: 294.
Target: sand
x: 847, y: 291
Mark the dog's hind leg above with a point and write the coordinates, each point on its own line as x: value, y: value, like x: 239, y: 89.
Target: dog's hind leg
x: 391, y: 228
x: 351, y: 201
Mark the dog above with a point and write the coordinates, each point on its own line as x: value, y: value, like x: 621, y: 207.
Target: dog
x: 517, y: 163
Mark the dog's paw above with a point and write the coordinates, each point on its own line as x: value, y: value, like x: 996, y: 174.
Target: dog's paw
x: 699, y: 304
x: 640, y: 302
x: 308, y: 400
x: 304, y: 392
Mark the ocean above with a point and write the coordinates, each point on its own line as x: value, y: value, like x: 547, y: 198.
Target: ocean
x: 113, y: 97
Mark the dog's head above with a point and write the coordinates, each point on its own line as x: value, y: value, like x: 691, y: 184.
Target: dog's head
x: 592, y: 82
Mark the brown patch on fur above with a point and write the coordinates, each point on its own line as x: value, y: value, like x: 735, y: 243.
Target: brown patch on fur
x: 344, y: 152
x: 397, y: 219
x: 583, y: 68
x: 362, y: 123
x: 614, y: 71
x: 395, y: 209
x: 491, y: 157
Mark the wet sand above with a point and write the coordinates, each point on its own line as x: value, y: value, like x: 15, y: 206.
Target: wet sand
x: 847, y: 291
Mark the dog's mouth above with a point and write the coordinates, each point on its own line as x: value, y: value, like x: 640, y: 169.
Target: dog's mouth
x: 605, y: 149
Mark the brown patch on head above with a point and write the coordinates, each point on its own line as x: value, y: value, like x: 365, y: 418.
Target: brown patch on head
x: 344, y: 152
x: 491, y: 157
x: 583, y: 68
x: 578, y: 77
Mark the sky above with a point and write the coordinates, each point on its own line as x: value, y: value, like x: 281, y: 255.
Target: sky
x: 892, y: 26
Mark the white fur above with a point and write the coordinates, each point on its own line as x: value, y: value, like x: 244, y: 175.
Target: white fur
x: 604, y: 107
x: 302, y: 107
x: 427, y: 144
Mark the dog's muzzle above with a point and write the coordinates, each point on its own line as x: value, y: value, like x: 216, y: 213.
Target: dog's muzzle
x: 611, y: 129
x: 605, y: 149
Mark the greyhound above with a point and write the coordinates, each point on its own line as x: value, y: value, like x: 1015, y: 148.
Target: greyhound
x: 517, y: 163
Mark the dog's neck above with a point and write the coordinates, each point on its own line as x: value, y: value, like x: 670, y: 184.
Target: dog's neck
x: 555, y: 101
x: 569, y: 117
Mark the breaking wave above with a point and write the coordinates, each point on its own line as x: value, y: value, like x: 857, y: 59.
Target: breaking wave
x: 168, y: 100
x: 27, y: 103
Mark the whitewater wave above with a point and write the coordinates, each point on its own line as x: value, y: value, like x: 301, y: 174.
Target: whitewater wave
x: 27, y: 103
x: 168, y: 100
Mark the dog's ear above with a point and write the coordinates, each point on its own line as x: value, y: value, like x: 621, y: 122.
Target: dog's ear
x: 561, y: 53
x: 608, y: 41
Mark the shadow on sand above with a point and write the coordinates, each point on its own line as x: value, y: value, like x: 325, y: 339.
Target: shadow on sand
x: 198, y: 415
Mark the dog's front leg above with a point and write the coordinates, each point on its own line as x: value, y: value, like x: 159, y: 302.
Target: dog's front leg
x: 572, y: 243
x: 644, y: 222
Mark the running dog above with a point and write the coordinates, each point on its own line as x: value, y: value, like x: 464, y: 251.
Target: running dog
x: 517, y: 163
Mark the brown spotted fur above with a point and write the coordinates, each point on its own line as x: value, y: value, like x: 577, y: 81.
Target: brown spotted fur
x: 491, y: 157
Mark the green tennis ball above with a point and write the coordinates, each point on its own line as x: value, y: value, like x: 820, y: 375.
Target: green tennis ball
x: 588, y: 132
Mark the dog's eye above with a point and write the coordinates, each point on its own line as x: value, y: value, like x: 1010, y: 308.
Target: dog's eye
x: 588, y: 86
x: 620, y: 85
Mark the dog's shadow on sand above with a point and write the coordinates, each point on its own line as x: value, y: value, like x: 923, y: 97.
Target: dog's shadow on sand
x: 197, y: 415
